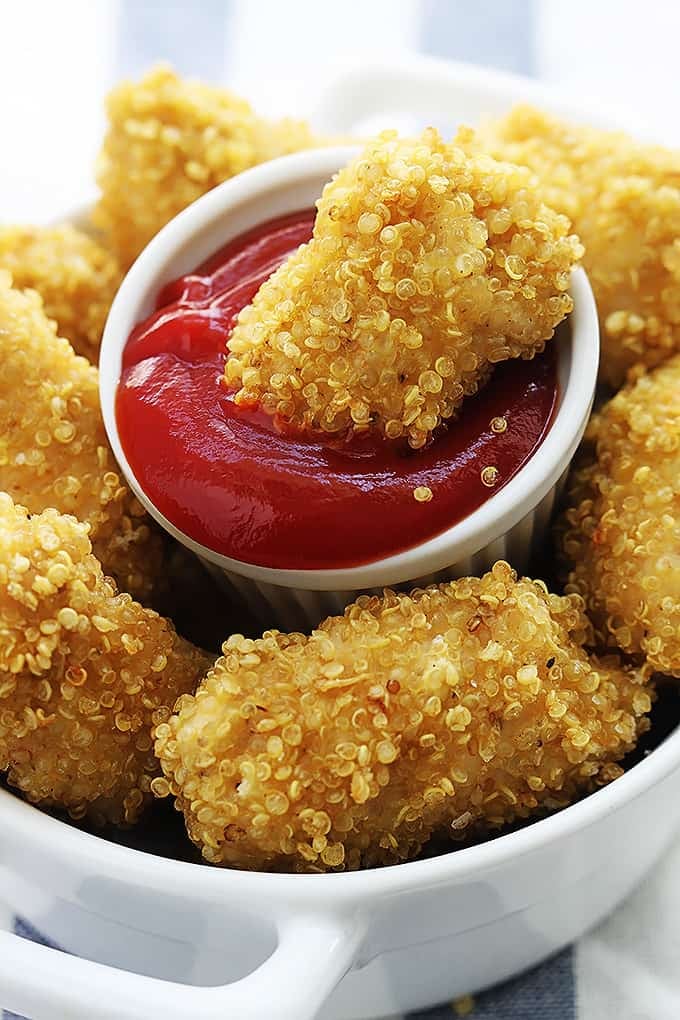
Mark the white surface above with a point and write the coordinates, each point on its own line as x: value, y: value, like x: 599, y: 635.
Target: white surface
x: 56, y: 64
x: 278, y: 78
x: 58, y: 60
x: 623, y: 52
x: 628, y: 967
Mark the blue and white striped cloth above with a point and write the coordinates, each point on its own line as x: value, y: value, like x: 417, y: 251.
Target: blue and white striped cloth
x: 628, y: 968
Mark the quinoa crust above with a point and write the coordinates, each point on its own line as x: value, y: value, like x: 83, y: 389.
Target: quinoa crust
x: 85, y: 673
x: 458, y: 708
x: 620, y: 536
x: 53, y: 447
x: 623, y: 199
x: 74, y: 275
x: 427, y: 267
x: 169, y: 141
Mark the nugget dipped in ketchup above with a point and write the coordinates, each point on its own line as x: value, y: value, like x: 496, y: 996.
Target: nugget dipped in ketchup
x: 427, y: 266
x: 290, y: 402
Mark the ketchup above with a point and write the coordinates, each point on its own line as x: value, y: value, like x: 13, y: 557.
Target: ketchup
x: 230, y: 479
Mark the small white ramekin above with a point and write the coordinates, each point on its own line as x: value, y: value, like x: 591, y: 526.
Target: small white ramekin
x: 509, y: 525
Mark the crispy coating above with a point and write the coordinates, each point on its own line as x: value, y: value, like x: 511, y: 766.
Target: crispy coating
x: 620, y: 536
x: 85, y: 673
x: 76, y: 278
x: 169, y: 141
x: 53, y: 447
x: 467, y: 705
x: 623, y: 199
x: 426, y: 268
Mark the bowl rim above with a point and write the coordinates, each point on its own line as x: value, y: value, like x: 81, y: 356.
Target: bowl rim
x: 497, y: 515
x: 30, y: 825
x: 426, y: 73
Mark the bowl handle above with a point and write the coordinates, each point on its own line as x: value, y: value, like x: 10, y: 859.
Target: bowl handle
x: 312, y: 955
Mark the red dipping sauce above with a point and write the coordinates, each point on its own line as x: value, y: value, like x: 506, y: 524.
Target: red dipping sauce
x: 231, y: 480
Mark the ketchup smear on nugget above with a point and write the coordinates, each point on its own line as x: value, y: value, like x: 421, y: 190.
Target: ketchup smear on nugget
x: 229, y: 478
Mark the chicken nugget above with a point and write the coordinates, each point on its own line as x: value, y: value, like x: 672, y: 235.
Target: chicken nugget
x: 76, y: 278
x: 623, y: 199
x: 459, y: 709
x: 85, y: 673
x: 53, y: 447
x: 169, y: 141
x: 619, y: 537
x: 427, y: 267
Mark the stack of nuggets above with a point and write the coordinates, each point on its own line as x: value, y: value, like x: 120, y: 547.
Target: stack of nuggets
x: 458, y: 709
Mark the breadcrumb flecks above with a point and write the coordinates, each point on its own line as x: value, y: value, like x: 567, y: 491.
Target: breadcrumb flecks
x: 75, y: 276
x: 456, y: 709
x: 170, y: 140
x: 53, y: 447
x: 619, y: 537
x: 426, y: 268
x: 85, y: 673
x: 623, y: 199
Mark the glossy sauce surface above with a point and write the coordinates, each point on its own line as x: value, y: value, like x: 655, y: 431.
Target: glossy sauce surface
x: 230, y: 479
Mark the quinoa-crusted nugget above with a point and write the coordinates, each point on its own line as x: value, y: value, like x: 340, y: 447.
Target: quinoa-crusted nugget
x: 53, y: 447
x: 169, y: 141
x: 623, y: 199
x: 427, y: 267
x: 76, y: 278
x: 620, y: 536
x: 462, y: 706
x: 85, y: 673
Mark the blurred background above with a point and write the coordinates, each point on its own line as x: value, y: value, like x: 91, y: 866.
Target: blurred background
x: 58, y: 60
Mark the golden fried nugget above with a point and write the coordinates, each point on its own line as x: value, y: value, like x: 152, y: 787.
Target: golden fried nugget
x: 463, y: 706
x: 623, y: 199
x: 85, y: 673
x: 76, y: 278
x: 427, y: 267
x: 169, y: 141
x: 620, y: 536
x: 53, y: 447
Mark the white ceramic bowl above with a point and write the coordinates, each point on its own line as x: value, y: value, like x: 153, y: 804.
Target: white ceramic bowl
x: 509, y: 525
x: 371, y: 943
